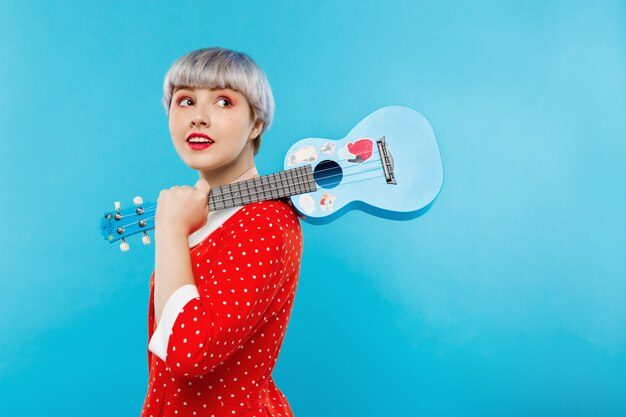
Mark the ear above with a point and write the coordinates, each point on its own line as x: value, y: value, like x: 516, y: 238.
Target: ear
x: 256, y: 131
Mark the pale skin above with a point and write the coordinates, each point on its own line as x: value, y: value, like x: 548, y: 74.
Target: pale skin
x: 226, y: 117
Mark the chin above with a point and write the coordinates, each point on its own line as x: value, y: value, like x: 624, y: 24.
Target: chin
x: 202, y: 164
x: 199, y: 166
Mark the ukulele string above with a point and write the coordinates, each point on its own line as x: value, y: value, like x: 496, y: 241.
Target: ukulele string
x: 345, y: 167
x: 232, y: 197
x: 249, y: 184
x: 152, y: 208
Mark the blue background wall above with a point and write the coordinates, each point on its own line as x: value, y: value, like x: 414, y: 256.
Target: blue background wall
x: 507, y: 298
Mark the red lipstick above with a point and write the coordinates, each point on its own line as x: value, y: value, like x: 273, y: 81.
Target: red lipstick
x: 199, y: 141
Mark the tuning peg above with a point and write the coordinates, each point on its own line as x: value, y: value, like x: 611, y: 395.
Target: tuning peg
x: 138, y: 200
x: 117, y: 205
x: 124, y: 246
x: 145, y: 239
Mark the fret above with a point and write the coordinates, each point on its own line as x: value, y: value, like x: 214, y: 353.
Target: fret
x: 265, y: 183
x: 302, y: 180
x: 305, y: 179
x: 211, y: 201
x: 273, y: 189
x: 289, y: 180
x: 266, y: 188
x: 247, y: 193
x: 254, y: 196
x: 249, y: 187
x: 281, y: 183
x: 290, y: 186
x: 285, y: 182
x: 216, y: 198
x: 228, y: 195
x: 308, y: 179
x: 294, y: 181
x: 258, y: 187
x: 279, y: 190
x: 225, y: 196
x: 219, y: 198
x: 269, y: 187
x: 312, y: 186
x: 276, y: 181
x: 238, y: 194
x: 241, y: 192
x: 311, y: 181
x: 234, y: 195
x: 299, y: 180
x: 284, y: 185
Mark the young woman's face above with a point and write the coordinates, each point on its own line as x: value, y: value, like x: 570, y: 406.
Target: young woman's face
x: 222, y: 116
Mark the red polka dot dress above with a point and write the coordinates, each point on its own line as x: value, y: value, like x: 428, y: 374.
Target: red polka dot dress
x: 213, y: 351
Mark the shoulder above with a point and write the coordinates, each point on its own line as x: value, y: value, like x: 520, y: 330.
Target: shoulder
x: 276, y: 216
x: 279, y: 210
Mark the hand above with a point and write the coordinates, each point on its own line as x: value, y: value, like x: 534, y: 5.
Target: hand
x: 183, y: 209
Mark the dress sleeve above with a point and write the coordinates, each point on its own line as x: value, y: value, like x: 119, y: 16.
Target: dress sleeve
x: 202, y: 326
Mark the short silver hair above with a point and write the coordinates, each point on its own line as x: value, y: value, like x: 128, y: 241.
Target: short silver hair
x: 223, y: 68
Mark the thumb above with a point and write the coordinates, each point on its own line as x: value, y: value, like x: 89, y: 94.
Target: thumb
x: 202, y: 185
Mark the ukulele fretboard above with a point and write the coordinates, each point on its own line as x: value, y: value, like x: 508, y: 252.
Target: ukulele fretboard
x: 268, y: 187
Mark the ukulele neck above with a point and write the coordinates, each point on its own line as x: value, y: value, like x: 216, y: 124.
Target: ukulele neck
x: 268, y: 187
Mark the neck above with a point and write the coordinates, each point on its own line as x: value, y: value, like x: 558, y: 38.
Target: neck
x: 229, y: 174
x: 251, y: 173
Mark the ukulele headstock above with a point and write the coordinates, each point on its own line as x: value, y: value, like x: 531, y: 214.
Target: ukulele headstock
x: 119, y: 224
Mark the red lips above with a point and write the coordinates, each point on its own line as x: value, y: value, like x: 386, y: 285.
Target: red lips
x: 199, y: 135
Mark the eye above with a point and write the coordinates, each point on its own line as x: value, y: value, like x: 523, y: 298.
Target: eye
x: 224, y: 102
x: 182, y: 99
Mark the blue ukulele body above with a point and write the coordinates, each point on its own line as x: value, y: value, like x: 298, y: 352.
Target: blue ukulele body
x: 388, y: 165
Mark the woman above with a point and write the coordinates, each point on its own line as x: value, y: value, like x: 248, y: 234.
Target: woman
x: 224, y: 281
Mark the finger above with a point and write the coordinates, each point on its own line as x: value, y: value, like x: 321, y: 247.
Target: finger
x: 202, y: 185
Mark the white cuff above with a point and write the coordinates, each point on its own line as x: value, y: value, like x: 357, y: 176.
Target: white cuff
x: 173, y: 306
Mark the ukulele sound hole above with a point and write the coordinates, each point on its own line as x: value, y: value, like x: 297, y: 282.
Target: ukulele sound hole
x: 328, y: 174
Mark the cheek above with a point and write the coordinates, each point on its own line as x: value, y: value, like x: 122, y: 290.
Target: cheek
x: 176, y: 129
x: 234, y: 126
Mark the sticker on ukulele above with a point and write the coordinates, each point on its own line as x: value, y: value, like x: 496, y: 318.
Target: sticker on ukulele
x: 328, y: 148
x: 327, y: 201
x: 307, y: 203
x: 358, y: 151
x: 303, y: 154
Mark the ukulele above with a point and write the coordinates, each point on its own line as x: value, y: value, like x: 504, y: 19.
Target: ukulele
x: 388, y: 166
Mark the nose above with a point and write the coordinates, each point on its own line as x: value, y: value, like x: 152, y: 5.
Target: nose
x: 200, y: 117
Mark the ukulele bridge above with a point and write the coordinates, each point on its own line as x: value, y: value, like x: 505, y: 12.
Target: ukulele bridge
x: 386, y: 160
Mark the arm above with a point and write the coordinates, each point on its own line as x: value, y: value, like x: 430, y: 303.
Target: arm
x: 172, y: 266
x: 180, y: 211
